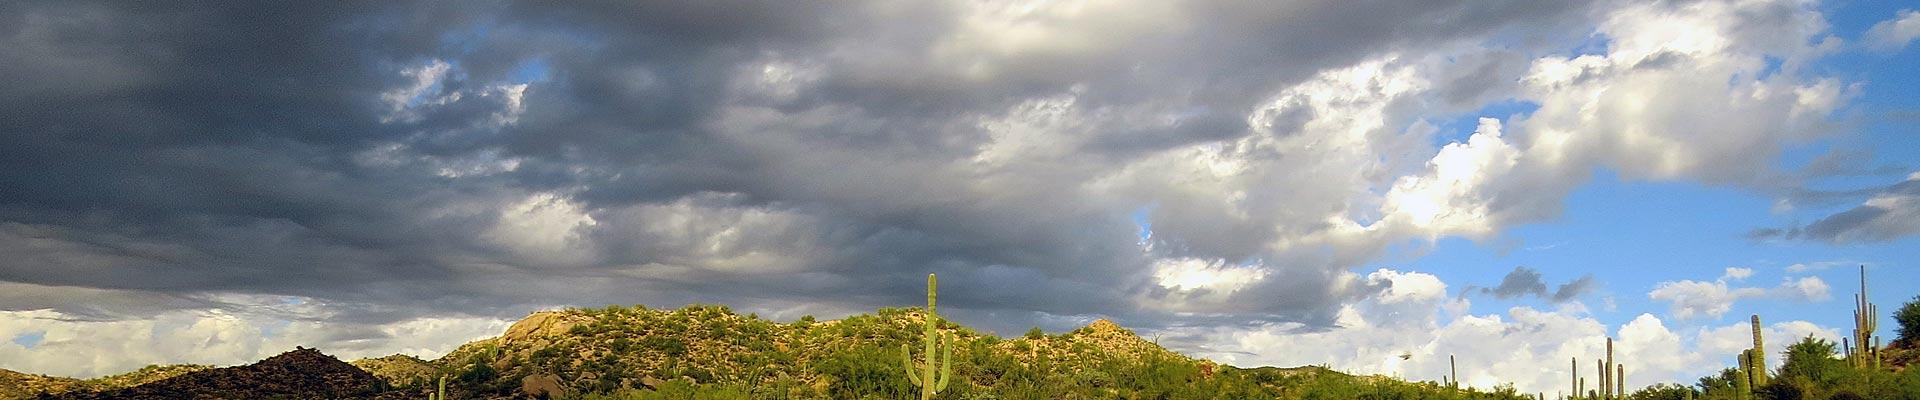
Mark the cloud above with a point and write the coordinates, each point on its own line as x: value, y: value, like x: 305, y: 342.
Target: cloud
x: 1693, y: 298
x: 1723, y: 341
x: 1896, y: 33
x: 391, y: 161
x: 1193, y: 274
x: 78, y: 347
x: 1690, y: 298
x: 1528, y: 347
x: 1822, y: 265
x: 1525, y: 281
x: 1890, y: 213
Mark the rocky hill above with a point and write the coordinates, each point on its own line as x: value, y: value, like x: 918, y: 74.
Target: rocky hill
x: 299, y: 374
x: 712, y: 351
x: 629, y: 352
x: 608, y: 349
x: 15, y: 385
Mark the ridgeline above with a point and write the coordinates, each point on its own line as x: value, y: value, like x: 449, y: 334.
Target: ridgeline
x: 710, y: 352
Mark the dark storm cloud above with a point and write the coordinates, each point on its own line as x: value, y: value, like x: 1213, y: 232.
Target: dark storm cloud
x: 1525, y: 281
x: 753, y: 153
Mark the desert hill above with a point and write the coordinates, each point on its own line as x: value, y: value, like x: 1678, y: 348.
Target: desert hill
x: 299, y: 374
x: 712, y: 352
x: 15, y: 385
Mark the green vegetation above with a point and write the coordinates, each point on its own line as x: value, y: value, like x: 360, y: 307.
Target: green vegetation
x: 708, y: 352
x: 1810, y: 368
x: 1908, y: 316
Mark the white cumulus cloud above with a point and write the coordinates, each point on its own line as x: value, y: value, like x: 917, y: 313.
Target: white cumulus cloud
x: 1895, y: 33
x: 1691, y: 298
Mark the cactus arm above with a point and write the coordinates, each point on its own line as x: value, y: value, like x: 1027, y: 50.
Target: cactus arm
x: 1741, y: 390
x: 1876, y: 352
x: 906, y: 360
x: 1759, y: 355
x: 946, y: 364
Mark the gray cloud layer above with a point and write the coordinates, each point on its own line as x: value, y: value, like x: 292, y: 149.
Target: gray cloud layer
x: 397, y: 159
x: 1889, y: 213
x: 776, y: 152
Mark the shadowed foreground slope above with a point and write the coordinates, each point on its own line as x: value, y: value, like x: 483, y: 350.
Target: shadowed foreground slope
x: 299, y: 374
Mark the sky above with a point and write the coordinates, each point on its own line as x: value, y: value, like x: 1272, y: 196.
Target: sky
x: 1258, y: 183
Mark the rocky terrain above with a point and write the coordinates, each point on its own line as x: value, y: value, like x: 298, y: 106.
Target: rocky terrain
x: 298, y: 374
x: 608, y: 350
x: 712, y: 352
x: 15, y: 385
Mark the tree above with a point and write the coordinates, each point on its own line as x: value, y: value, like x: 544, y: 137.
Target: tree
x: 1721, y: 383
x: 1909, y: 318
x: 1812, y: 359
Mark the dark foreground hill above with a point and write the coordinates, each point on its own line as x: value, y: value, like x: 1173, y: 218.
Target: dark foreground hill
x: 15, y: 385
x: 299, y: 374
x: 709, y: 352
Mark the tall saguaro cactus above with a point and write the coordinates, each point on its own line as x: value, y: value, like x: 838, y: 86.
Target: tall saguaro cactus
x: 923, y: 374
x: 1575, y: 382
x: 1866, y: 319
x: 1606, y: 373
x: 1454, y: 370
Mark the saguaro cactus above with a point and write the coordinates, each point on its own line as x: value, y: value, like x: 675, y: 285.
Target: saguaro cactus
x: 1866, y: 319
x: 1575, y: 382
x: 1453, y: 370
x: 442, y: 394
x: 1759, y: 354
x: 923, y: 374
x: 1601, y: 366
x: 1606, y: 373
x: 1619, y: 381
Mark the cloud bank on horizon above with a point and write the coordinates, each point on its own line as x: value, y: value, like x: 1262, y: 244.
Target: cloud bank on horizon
x: 211, y: 183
